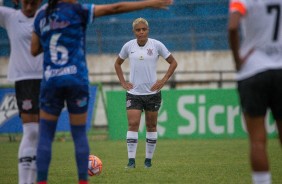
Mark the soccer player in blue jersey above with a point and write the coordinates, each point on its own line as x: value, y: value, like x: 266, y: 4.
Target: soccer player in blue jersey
x: 59, y: 32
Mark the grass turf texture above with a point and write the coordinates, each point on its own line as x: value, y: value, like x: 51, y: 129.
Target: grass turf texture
x: 175, y: 161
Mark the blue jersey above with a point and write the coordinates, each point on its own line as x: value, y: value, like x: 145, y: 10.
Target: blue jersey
x: 62, y: 37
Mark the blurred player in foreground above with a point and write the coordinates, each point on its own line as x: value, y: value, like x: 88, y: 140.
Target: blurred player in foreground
x: 259, y: 66
x: 26, y: 71
x: 59, y: 31
x: 143, y: 88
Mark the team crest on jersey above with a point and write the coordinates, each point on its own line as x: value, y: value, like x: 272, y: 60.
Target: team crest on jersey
x: 27, y: 105
x: 150, y: 52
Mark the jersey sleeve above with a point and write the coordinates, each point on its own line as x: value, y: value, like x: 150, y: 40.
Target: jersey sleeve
x: 238, y: 6
x: 89, y: 11
x: 162, y: 50
x: 36, y: 27
x: 5, y: 12
x: 124, y: 51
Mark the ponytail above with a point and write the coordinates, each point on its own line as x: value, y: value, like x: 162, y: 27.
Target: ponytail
x: 50, y: 8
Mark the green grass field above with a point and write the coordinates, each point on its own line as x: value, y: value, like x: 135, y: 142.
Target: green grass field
x: 175, y: 161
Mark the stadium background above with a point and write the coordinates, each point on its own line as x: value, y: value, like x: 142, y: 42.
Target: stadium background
x: 195, y: 32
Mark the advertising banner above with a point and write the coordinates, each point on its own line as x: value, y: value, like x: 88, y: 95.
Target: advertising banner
x: 199, y: 113
x: 9, y: 114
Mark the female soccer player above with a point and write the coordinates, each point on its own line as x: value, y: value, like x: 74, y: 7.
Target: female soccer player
x: 259, y: 65
x: 59, y: 31
x: 143, y: 88
x: 26, y: 71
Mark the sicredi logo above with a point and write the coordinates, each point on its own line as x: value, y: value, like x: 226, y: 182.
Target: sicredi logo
x: 8, y: 108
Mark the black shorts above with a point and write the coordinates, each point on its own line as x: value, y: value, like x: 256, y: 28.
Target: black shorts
x: 27, y: 95
x: 260, y: 92
x: 144, y: 102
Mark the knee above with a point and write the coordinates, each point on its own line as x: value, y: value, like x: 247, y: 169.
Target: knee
x: 151, y: 127
x: 133, y: 126
x: 258, y: 145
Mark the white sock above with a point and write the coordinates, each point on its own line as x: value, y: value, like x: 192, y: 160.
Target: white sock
x: 263, y: 177
x: 27, y: 154
x: 151, y: 142
x: 132, y: 141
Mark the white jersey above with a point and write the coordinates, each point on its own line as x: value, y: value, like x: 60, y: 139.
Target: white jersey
x: 143, y: 64
x: 22, y: 65
x: 262, y: 32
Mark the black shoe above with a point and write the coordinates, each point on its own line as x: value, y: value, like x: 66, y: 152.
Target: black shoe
x: 131, y: 163
x: 147, y: 163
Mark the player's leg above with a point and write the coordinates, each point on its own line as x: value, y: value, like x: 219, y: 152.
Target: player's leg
x: 134, y: 117
x: 255, y: 93
x: 51, y: 104
x: 78, y: 131
x: 276, y: 102
x: 151, y: 136
x: 134, y: 110
x: 258, y: 149
x: 77, y: 102
x: 153, y: 103
x: 279, y: 127
x: 47, y: 129
x: 27, y: 94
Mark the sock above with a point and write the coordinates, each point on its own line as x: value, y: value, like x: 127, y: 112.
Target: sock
x: 263, y: 177
x: 47, y: 131
x: 27, y: 153
x: 81, y: 151
x: 83, y: 182
x: 42, y: 182
x: 151, y: 141
x: 132, y: 141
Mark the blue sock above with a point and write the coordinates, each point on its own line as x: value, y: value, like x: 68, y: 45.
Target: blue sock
x: 81, y: 150
x: 47, y: 131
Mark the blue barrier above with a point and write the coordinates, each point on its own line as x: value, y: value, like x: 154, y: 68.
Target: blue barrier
x: 9, y: 114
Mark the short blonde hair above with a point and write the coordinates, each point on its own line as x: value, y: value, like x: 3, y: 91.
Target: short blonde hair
x: 139, y: 20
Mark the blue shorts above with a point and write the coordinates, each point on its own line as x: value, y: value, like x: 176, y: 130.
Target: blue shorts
x: 53, y: 99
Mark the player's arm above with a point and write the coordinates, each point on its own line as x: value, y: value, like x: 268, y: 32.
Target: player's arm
x: 36, y: 47
x: 234, y: 39
x: 122, y: 7
x: 236, y: 11
x: 172, y: 66
x: 119, y: 72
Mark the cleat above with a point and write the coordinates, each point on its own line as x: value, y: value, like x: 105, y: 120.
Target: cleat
x: 131, y: 163
x: 147, y: 163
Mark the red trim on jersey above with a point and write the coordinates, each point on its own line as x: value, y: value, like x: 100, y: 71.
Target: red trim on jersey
x: 237, y: 6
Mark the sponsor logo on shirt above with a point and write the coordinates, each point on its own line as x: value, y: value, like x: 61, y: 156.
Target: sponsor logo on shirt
x: 53, y: 24
x: 59, y: 72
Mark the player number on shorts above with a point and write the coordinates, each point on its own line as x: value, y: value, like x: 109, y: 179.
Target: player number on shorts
x: 59, y: 54
x: 271, y: 9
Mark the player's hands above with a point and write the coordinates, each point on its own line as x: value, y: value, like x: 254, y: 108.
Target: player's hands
x: 127, y: 85
x: 239, y: 62
x: 158, y: 86
x: 162, y: 4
